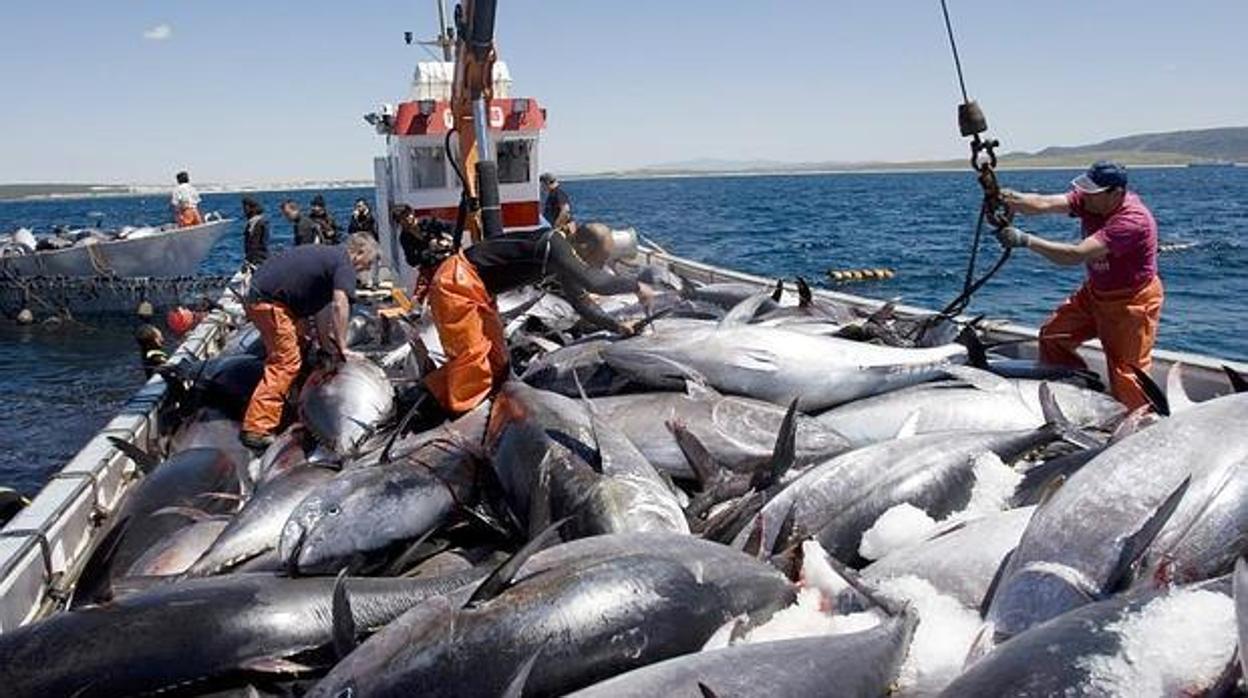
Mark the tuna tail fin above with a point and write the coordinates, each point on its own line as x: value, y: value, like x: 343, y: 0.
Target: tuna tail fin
x: 343, y: 620
x: 706, y: 691
x: 778, y: 292
x: 501, y: 578
x: 145, y: 461
x: 1239, y: 382
x: 1137, y: 543
x: 1055, y: 420
x: 515, y: 687
x: 783, y: 456
x: 1156, y: 396
x: 976, y: 350
x: 805, y: 297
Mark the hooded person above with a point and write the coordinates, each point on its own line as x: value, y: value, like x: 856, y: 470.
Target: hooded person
x: 324, y: 220
x: 255, y: 233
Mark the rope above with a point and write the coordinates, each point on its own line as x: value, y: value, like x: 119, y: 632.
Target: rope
x: 98, y: 262
x: 953, y: 44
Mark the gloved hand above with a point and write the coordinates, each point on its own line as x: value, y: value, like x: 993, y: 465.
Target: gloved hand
x: 1010, y: 236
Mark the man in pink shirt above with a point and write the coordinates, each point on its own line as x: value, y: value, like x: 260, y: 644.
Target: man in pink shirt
x: 1120, y: 302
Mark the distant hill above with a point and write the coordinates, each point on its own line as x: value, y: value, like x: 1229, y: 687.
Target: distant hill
x: 1172, y: 148
x: 1207, y: 144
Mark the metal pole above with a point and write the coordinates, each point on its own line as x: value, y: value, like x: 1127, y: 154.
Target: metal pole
x: 444, y: 37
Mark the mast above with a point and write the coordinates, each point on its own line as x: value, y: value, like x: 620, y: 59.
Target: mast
x: 444, y: 34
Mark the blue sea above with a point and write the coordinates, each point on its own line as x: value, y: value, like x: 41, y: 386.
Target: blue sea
x: 61, y: 385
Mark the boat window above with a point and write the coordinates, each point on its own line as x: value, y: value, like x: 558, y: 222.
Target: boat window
x: 428, y: 167
x: 513, y: 161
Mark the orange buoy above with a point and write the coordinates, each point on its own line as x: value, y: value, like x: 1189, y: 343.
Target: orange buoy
x: 180, y: 320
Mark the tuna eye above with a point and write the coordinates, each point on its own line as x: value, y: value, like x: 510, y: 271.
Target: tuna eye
x: 334, y: 510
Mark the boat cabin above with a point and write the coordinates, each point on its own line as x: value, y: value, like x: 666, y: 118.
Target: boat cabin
x: 418, y: 170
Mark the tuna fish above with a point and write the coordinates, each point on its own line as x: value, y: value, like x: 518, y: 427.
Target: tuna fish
x: 257, y: 528
x: 1168, y: 490
x: 555, y: 460
x: 555, y: 371
x: 195, y: 631
x: 584, y: 623
x: 838, y: 500
x: 976, y: 401
x: 344, y: 407
x: 1169, y: 643
x: 778, y: 365
x: 365, y: 510
x: 864, y: 664
x: 176, y: 552
x: 736, y: 433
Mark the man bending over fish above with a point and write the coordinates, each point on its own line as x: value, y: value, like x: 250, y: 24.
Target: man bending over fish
x: 309, y: 281
x: 461, y: 286
x: 1120, y: 302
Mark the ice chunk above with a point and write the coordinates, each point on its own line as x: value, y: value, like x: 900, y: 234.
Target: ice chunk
x: 941, y: 641
x: 808, y: 618
x: 902, y: 525
x: 1176, y: 645
x: 995, y: 483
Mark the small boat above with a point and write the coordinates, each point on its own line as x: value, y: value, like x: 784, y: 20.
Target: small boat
x: 146, y: 252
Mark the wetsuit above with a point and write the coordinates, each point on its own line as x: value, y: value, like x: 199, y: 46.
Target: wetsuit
x: 256, y: 240
x: 461, y: 301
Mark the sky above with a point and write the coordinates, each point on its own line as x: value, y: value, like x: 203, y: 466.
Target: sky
x: 129, y: 91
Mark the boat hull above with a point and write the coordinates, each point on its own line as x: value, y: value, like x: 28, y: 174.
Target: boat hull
x: 168, y: 253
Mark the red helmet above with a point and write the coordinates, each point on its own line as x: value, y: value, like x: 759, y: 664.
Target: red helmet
x: 180, y: 320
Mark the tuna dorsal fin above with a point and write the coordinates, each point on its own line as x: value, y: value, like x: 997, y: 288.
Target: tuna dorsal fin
x: 343, y: 621
x: 778, y: 292
x: 1176, y: 394
x: 144, y: 460
x: 782, y: 456
x: 515, y: 687
x: 501, y: 578
x: 1136, y: 544
x: 884, y: 313
x: 976, y: 351
x: 1239, y: 383
x: 593, y: 417
x: 405, y: 561
x: 742, y: 313
x: 1156, y: 396
x: 706, y: 691
x: 805, y: 297
x: 992, y: 586
x: 909, y: 426
x: 700, y: 459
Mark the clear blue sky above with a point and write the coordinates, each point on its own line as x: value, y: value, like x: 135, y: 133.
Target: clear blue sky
x: 264, y: 91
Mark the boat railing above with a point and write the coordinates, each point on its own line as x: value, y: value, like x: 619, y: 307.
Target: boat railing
x: 44, y: 547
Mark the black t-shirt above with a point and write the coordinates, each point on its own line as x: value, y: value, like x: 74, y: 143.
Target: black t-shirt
x: 555, y: 201
x: 304, y: 278
x: 516, y: 259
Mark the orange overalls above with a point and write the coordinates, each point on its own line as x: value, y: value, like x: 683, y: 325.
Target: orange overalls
x: 189, y: 216
x: 1126, y: 323
x: 279, y: 329
x: 471, y: 334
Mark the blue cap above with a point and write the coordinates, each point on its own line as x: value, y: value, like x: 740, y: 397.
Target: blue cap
x: 1101, y: 176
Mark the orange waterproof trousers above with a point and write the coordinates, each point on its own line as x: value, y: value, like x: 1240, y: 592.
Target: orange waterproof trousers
x: 189, y: 216
x: 471, y: 334
x: 279, y: 329
x: 1125, y: 322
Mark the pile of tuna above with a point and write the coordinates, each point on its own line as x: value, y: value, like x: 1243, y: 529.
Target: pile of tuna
x: 747, y: 498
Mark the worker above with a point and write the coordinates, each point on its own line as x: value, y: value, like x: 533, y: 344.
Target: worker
x: 185, y: 202
x: 362, y: 220
x: 255, y: 233
x: 1120, y: 301
x: 304, y: 229
x: 298, y: 284
x: 151, y: 347
x: 558, y: 207
x: 462, y: 287
x: 324, y: 219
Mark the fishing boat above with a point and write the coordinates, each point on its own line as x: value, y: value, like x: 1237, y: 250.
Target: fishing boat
x: 44, y: 548
x: 113, y: 274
